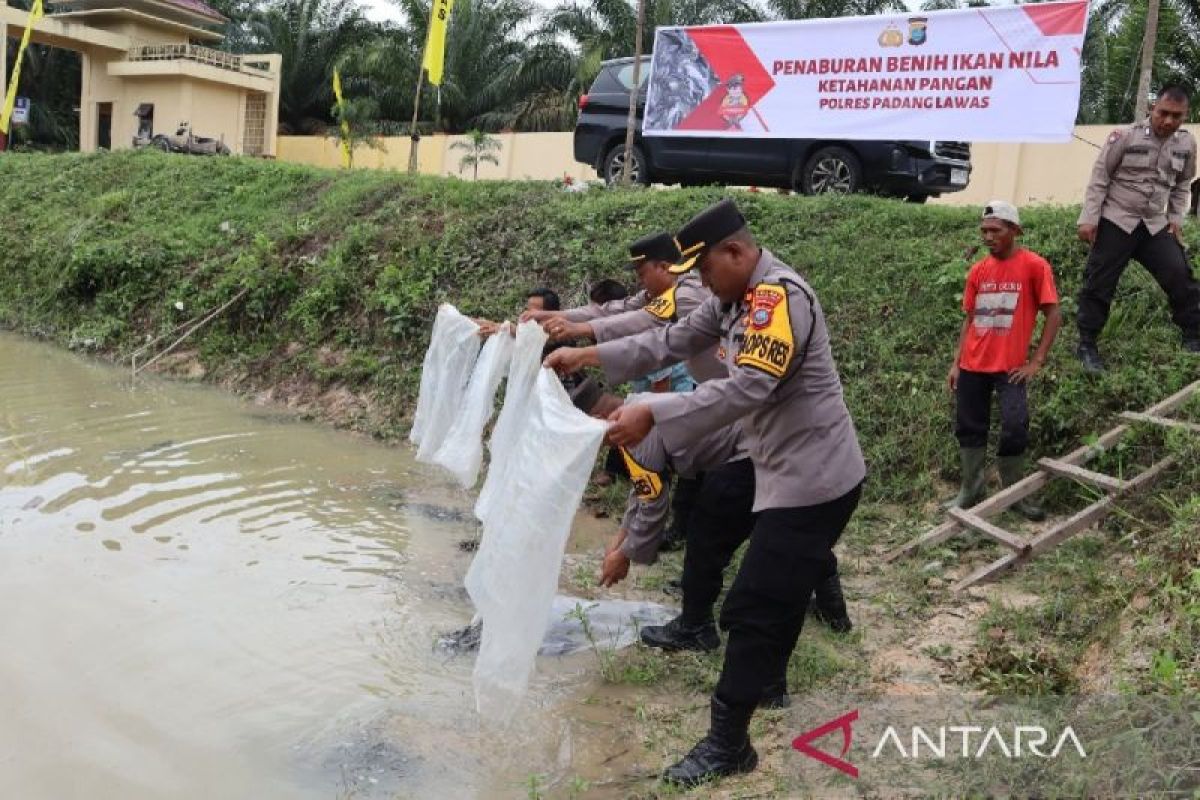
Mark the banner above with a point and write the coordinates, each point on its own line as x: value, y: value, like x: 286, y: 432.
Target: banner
x: 435, y: 45
x: 347, y: 155
x: 1004, y: 74
x: 35, y: 13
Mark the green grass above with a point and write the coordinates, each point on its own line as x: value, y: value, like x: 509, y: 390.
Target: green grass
x: 343, y: 273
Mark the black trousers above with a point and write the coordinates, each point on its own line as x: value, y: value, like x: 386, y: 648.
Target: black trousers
x: 721, y: 519
x: 683, y: 501
x: 1161, y: 254
x: 973, y: 401
x: 789, y: 555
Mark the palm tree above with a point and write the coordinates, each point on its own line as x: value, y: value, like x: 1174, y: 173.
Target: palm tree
x: 814, y: 9
x: 479, y: 147
x: 484, y: 50
x: 360, y: 115
x: 312, y: 35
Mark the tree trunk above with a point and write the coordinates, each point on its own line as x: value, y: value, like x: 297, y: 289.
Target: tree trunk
x: 631, y: 122
x: 1149, y: 40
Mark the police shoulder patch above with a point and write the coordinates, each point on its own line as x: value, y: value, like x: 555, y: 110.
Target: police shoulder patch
x: 770, y: 340
x: 663, y: 306
x: 647, y: 484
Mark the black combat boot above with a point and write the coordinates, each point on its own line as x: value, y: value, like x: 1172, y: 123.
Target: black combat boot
x: 830, y: 606
x: 1089, y: 356
x: 724, y: 751
x: 776, y: 696
x: 679, y: 634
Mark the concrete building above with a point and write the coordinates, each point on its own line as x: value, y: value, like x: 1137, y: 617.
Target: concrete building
x: 149, y: 65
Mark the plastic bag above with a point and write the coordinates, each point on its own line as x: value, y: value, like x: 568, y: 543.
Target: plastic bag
x: 444, y: 375
x: 522, y: 376
x: 514, y: 575
x: 611, y: 624
x: 462, y: 451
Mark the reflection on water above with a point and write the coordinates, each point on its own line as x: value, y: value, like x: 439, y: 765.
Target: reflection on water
x: 202, y: 602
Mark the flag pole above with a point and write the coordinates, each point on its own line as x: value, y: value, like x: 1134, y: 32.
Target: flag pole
x: 414, y: 136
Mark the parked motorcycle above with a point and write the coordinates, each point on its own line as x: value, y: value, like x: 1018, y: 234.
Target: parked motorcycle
x: 184, y: 141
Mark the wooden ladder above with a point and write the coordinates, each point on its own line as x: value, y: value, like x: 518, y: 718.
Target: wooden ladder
x: 1070, y: 466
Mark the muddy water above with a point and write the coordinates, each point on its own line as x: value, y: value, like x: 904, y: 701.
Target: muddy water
x: 199, y: 599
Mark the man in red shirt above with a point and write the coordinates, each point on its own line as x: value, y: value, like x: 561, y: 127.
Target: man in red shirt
x: 1003, y: 296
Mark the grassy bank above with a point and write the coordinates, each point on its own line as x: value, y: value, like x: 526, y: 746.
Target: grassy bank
x: 342, y: 274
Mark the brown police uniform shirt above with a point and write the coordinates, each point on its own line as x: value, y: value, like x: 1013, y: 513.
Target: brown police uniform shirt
x: 651, y: 465
x: 613, y: 322
x: 1141, y: 178
x: 782, y: 380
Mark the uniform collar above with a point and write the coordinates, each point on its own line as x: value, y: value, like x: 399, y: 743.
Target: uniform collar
x: 760, y: 270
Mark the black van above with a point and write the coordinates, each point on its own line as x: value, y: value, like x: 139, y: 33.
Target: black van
x: 915, y: 170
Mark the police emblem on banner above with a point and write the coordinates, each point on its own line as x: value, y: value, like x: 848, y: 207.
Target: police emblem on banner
x: 916, y: 30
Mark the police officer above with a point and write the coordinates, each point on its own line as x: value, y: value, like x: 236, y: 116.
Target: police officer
x: 720, y: 523
x: 670, y: 291
x: 1139, y: 192
x: 783, y: 385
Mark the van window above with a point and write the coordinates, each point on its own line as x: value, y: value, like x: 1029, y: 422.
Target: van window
x: 625, y: 76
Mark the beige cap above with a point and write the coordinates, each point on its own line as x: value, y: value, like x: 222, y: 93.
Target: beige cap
x: 999, y: 209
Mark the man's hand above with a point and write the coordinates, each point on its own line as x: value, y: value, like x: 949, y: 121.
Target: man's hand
x: 630, y: 424
x: 952, y: 377
x: 559, y: 329
x: 487, y: 328
x: 614, y: 569
x: 1024, y: 374
x: 566, y: 360
x: 1175, y: 230
x: 1087, y: 233
x: 539, y: 316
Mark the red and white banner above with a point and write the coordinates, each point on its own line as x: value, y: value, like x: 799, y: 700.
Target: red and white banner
x: 1008, y: 74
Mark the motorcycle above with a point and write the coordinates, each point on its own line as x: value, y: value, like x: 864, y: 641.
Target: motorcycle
x: 184, y: 141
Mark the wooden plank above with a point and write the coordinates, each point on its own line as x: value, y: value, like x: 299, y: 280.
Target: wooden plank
x: 1060, y: 533
x: 1166, y: 422
x: 1072, y: 472
x: 980, y: 525
x: 928, y: 539
x: 1174, y: 401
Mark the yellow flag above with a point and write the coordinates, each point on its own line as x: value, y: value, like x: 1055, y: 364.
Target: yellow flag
x: 10, y: 99
x: 341, y: 103
x: 435, y: 45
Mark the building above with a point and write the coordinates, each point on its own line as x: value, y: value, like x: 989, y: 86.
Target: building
x: 149, y: 65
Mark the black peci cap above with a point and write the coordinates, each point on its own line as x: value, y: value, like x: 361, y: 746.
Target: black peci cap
x: 710, y: 226
x: 586, y: 394
x: 655, y: 247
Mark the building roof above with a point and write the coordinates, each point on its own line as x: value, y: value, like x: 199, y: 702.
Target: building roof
x: 198, y: 7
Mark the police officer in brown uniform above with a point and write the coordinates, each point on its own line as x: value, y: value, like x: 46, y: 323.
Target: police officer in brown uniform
x: 1139, y: 192
x: 784, y: 386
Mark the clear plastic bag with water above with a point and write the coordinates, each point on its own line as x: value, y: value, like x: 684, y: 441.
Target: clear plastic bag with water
x: 462, y: 451
x: 453, y: 348
x: 514, y: 576
x: 522, y: 376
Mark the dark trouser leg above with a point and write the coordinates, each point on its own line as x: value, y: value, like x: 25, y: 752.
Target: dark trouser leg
x: 973, y: 408
x: 790, y: 554
x: 1165, y: 259
x: 1106, y: 262
x: 720, y: 521
x: 1014, y: 417
x: 683, y: 500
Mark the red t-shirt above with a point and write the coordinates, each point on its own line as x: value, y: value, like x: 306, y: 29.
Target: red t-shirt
x: 1002, y: 300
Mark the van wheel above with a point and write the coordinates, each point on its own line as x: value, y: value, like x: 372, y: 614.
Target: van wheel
x: 614, y: 163
x: 916, y: 198
x: 831, y: 170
